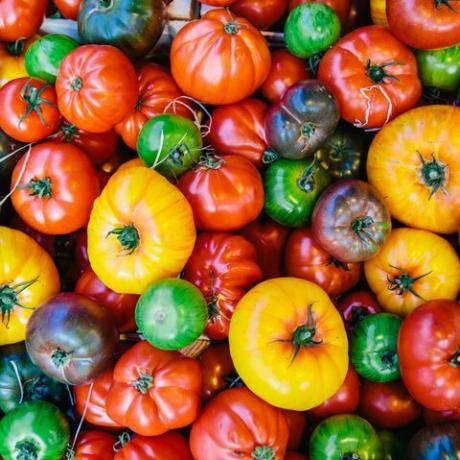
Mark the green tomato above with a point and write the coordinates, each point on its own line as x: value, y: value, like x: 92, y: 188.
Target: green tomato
x: 171, y: 314
x: 373, y: 350
x: 44, y: 57
x: 345, y: 437
x: 170, y: 143
x: 440, y: 68
x: 311, y: 28
x: 292, y: 188
x: 35, y: 430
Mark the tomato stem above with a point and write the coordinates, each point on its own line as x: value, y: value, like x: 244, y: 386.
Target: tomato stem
x: 307, y: 129
x: 143, y: 383
x: 9, y: 299
x: 455, y: 360
x: 338, y: 264
x: 127, y: 236
x: 60, y: 357
x: 438, y: 3
x: 270, y: 156
x: 306, y: 181
x: 350, y: 456
x: 433, y: 174
x: 26, y: 449
x: 360, y: 226
x: 263, y: 453
x: 34, y: 100
x: 40, y: 187
x: 16, y: 48
x: 377, y: 73
x: 231, y: 28
x: 69, y: 131
x: 211, y: 161
x: 77, y: 84
x: 404, y: 282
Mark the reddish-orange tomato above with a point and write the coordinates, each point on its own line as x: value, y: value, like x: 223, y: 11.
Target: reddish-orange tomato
x: 341, y: 7
x: 217, y: 2
x: 305, y: 258
x: 157, y: 91
x: 56, y: 190
x: 96, y: 87
x: 219, y: 59
x: 285, y: 70
x: 297, y: 425
x: 432, y: 417
x: 260, y: 13
x: 29, y: 111
x: 226, y: 193
x: 92, y: 445
x: 69, y: 8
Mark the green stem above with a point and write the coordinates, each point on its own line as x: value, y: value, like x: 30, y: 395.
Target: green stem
x: 307, y: 129
x: 40, y: 187
x: 60, y: 357
x: 306, y: 182
x: 26, y: 450
x: 404, y: 282
x: 270, y: 156
x: 361, y: 225
x: 263, y: 453
x: 433, y: 173
x: 77, y: 84
x: 438, y: 3
x: 211, y: 161
x: 127, y: 236
x: 143, y: 383
x: 350, y: 456
x: 377, y: 73
x: 33, y: 98
x: 69, y: 131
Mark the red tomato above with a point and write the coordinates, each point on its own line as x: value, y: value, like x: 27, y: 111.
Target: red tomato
x: 96, y: 87
x: 387, y: 405
x: 269, y: 239
x: 239, y: 129
x: 425, y: 24
x: 81, y: 250
x: 154, y: 391
x: 92, y: 445
x: 345, y: 401
x: 69, y: 8
x: 305, y: 258
x: 285, y: 70
x: 56, y: 189
x: 356, y: 306
x: 432, y: 417
x: 29, y: 111
x: 157, y: 90
x: 372, y: 75
x: 341, y: 7
x: 20, y: 18
x: 217, y: 2
x: 260, y: 13
x: 429, y: 351
x: 226, y: 193
x: 297, y: 425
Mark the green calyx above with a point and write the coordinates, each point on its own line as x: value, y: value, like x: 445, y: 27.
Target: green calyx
x: 270, y: 156
x: 350, y: 456
x: 404, y: 282
x: 263, y: 453
x: 69, y: 131
x: 9, y: 299
x: 455, y: 360
x: 438, y: 3
x: 127, y: 236
x: 340, y: 151
x: 361, y: 225
x: 178, y: 153
x: 231, y: 28
x: 433, y: 174
x: 15, y: 48
x: 306, y: 182
x: 40, y: 188
x: 389, y: 359
x: 338, y: 264
x: 143, y: 383
x: 77, y: 84
x: 33, y: 98
x: 377, y: 73
x: 26, y: 450
x: 60, y: 357
x: 307, y: 129
x: 211, y: 161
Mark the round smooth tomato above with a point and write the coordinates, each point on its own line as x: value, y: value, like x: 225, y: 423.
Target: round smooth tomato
x: 95, y: 444
x: 219, y: 59
x: 57, y: 185
x: 260, y: 13
x: 225, y: 192
x: 373, y: 76
x: 297, y: 425
x: 304, y: 258
x: 96, y: 87
x: 356, y: 306
x: 69, y: 8
x: 224, y: 267
x: 341, y: 7
x: 12, y: 59
x: 29, y: 109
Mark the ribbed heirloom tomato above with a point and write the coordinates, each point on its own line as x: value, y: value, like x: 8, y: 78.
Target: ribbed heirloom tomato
x: 92, y: 445
x: 21, y: 18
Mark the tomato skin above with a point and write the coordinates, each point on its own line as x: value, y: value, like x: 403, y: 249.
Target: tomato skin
x: 341, y: 7
x: 260, y: 13
x: 428, y: 346
x: 378, y: 12
x: 304, y: 258
x: 344, y: 68
x: 227, y: 72
x: 12, y: 60
x: 432, y: 417
x: 294, y: 456
x: 96, y: 87
x: 95, y: 444
x: 246, y: 424
x: 217, y: 2
x: 356, y: 306
x: 297, y: 425
x: 69, y: 8
x: 224, y: 267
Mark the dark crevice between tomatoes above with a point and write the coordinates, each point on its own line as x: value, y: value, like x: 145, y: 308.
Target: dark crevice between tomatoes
x: 9, y: 299
x: 263, y: 453
x: 433, y: 173
x: 34, y: 100
x: 35, y: 389
x: 16, y: 48
x: 404, y: 282
x: 270, y: 156
x: 40, y: 188
x: 357, y: 315
x: 307, y: 129
x: 27, y: 449
x: 127, y: 236
x: 233, y: 380
x: 143, y: 383
x: 377, y: 73
x: 455, y: 360
x: 60, y: 357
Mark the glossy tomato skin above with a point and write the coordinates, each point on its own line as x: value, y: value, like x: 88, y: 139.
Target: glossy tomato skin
x: 57, y: 188
x: 69, y: 8
x: 260, y: 13
x: 429, y: 344
x: 226, y: 193
x: 12, y: 59
x: 224, y: 267
x: 304, y: 258
x: 93, y: 445
x: 236, y: 411
x: 217, y: 2
x: 86, y: 78
x: 367, y: 69
x: 297, y: 425
x: 356, y: 306
x: 30, y: 111
x: 341, y: 7
x: 225, y: 73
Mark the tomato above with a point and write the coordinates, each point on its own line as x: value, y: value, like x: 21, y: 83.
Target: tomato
x: 80, y: 252
x: 56, y: 189
x: 304, y: 258
x: 345, y: 401
x: 30, y: 112
x: 141, y: 245
x: 356, y: 306
x: 285, y: 70
x: 429, y: 344
x: 341, y: 7
x: 44, y: 432
x: 57, y: 338
x: 219, y: 59
x: 292, y: 188
x: 12, y: 57
x: 69, y: 8
x: 95, y: 444
x: 217, y: 2
x: 378, y: 12
x: 157, y: 93
x: 96, y: 412
x: 281, y: 336
x: 423, y: 188
x: 310, y: 28
x: 237, y: 424
x: 260, y: 13
x: 345, y: 437
x: 296, y: 127
x: 28, y: 277
x: 226, y: 193
x: 350, y: 221
x: 21, y: 18
x: 372, y: 75
x: 239, y: 129
x: 414, y: 266
x: 297, y: 425
x: 154, y: 391
x: 96, y: 87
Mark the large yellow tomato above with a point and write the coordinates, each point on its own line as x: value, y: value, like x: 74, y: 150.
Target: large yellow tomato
x: 412, y: 267
x: 28, y: 277
x: 288, y: 343
x: 12, y: 60
x: 141, y: 229
x: 414, y: 162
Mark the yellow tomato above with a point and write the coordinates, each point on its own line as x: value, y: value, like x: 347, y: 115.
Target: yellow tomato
x: 131, y: 164
x: 414, y: 162
x: 378, y: 12
x: 141, y: 229
x: 28, y: 277
x: 12, y: 60
x: 412, y: 267
x: 288, y: 343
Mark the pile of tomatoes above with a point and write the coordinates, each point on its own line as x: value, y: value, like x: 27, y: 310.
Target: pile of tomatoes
x: 235, y: 250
